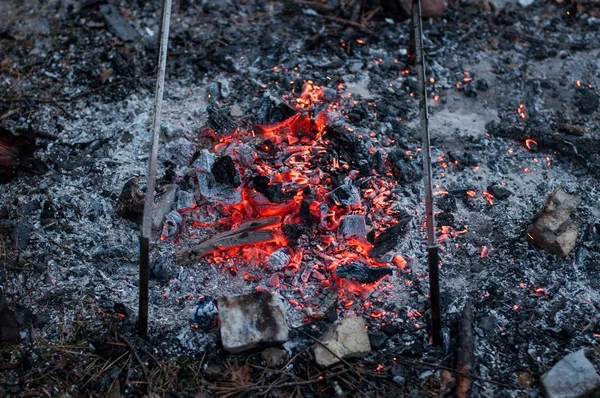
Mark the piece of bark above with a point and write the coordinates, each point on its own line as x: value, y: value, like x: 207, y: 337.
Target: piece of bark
x: 554, y: 227
x: 465, y: 360
x: 572, y: 129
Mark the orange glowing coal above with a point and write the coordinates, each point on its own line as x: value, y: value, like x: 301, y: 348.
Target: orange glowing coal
x: 531, y: 144
x: 522, y: 111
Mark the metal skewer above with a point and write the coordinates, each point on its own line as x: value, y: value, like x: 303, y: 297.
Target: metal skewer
x: 151, y: 176
x: 432, y: 248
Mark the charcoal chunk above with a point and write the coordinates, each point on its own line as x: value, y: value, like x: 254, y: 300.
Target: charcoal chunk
x: 389, y: 239
x: 220, y: 121
x: 130, y: 205
x: 347, y: 145
x: 499, y: 192
x: 305, y: 214
x: 362, y: 273
x: 226, y: 172
x: 346, y: 195
x: 292, y: 232
x: 403, y: 167
x: 587, y: 99
x: 273, y: 110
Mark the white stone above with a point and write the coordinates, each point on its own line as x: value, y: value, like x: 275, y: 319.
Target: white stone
x: 348, y: 339
x: 572, y: 377
x: 250, y: 320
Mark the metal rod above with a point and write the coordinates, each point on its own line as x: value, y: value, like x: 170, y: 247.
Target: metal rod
x: 432, y: 249
x: 151, y: 176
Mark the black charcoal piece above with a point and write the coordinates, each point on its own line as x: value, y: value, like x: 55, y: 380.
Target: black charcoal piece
x: 226, y: 172
x: 587, y: 99
x: 377, y: 340
x: 362, y: 273
x: 499, y: 192
x: 403, y: 167
x: 220, y: 121
x: 482, y: 85
x: 389, y: 239
x: 273, y: 110
x: 466, y: 159
x: 305, y: 215
x: 346, y: 195
x: 347, y: 145
x: 292, y: 232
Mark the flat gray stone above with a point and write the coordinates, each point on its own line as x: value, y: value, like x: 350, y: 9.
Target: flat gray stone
x: 348, y: 339
x: 572, y: 377
x: 251, y: 320
x: 554, y: 227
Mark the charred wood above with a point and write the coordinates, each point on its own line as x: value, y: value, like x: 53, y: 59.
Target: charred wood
x: 220, y: 121
x: 389, y: 239
x: 362, y: 273
x: 466, y: 358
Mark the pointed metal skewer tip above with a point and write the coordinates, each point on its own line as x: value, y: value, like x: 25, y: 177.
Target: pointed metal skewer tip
x: 151, y: 176
x: 432, y: 248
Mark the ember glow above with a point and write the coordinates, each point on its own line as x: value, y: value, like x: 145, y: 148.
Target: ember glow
x: 522, y: 111
x: 286, y: 187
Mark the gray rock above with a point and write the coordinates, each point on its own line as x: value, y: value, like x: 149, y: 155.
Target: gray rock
x: 348, y: 339
x: 554, y: 229
x: 572, y: 377
x: 250, y: 320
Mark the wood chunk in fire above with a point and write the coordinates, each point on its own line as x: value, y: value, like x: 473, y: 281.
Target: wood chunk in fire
x: 389, y: 239
x: 273, y: 191
x: 220, y: 121
x: 554, y: 227
x: 273, y: 110
x: 347, y: 145
x: 225, y: 172
x: 346, y: 195
x: 362, y: 273
x: 249, y: 233
x: 210, y: 188
x: 353, y: 227
x: 403, y: 167
x: 292, y: 232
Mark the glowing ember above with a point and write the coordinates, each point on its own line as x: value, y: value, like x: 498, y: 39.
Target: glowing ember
x: 489, y: 197
x: 531, y: 144
x: 522, y: 111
